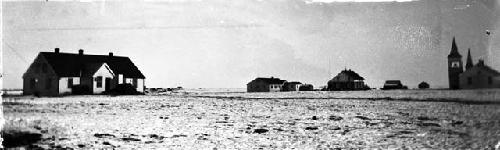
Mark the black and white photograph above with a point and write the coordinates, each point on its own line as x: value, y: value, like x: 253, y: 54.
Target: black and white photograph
x: 250, y: 74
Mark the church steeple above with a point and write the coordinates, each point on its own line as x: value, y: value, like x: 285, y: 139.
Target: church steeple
x: 454, y: 50
x: 469, y: 63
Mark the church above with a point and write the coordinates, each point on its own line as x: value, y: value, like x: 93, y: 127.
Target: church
x: 476, y: 76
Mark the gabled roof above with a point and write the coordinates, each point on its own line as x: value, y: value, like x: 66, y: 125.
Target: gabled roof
x: 72, y: 65
x: 490, y: 70
x: 270, y: 80
x: 90, y: 69
x: 480, y: 65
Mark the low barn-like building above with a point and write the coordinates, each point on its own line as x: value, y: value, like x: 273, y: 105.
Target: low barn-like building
x: 345, y: 81
x: 56, y: 73
x: 291, y: 86
x: 265, y: 85
x: 306, y: 87
x: 393, y: 84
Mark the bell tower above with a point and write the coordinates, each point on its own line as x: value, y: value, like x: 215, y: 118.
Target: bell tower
x: 455, y: 66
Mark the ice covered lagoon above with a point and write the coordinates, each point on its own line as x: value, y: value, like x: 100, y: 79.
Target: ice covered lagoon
x: 231, y: 119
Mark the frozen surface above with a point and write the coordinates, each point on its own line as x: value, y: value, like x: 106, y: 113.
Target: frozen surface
x: 483, y: 95
x: 238, y: 120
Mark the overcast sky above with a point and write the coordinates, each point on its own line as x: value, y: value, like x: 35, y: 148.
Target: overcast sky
x: 226, y: 44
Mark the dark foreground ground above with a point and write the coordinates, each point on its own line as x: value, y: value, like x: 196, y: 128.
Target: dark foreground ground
x: 249, y: 121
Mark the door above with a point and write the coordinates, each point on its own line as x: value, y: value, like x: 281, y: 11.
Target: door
x: 107, y: 84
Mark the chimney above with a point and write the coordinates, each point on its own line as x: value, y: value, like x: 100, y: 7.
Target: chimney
x: 80, y: 52
x: 56, y: 50
x: 481, y: 62
x: 111, y: 54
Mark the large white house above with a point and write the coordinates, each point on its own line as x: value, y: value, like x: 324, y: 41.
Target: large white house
x: 56, y: 73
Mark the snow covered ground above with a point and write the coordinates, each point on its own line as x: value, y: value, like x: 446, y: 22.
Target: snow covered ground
x: 232, y: 119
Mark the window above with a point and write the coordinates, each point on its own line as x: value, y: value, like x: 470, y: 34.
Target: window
x: 134, y: 82
x: 98, y: 80
x: 44, y: 68
x: 490, y: 80
x: 32, y: 83
x: 48, y: 85
x: 469, y: 80
x: 70, y: 82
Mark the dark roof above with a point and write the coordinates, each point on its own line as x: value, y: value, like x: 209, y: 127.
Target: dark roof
x: 454, y: 50
x: 90, y: 69
x: 271, y: 80
x: 423, y: 83
x: 483, y: 66
x: 71, y: 65
x: 393, y: 82
x: 352, y: 74
x: 293, y: 82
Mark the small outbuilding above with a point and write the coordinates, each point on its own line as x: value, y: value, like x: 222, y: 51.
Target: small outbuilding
x: 393, y: 84
x: 306, y: 87
x: 265, y: 85
x: 423, y: 85
x: 291, y: 86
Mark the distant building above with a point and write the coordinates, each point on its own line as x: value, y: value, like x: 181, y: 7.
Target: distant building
x: 346, y: 80
x: 423, y: 85
x: 265, y: 85
x: 291, y: 86
x: 306, y: 87
x: 393, y: 84
x: 474, y: 76
x: 479, y: 76
x: 55, y: 73
x: 455, y: 66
